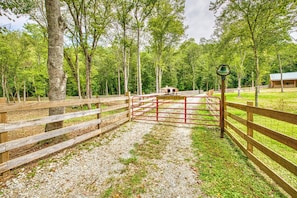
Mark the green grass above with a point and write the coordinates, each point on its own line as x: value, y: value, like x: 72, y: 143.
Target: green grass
x: 269, y: 98
x: 224, y: 170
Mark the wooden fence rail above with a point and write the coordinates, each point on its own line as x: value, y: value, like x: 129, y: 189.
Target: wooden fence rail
x: 213, y: 104
x: 105, y: 114
x: 257, y: 136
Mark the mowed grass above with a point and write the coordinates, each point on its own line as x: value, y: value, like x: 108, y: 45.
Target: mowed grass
x: 223, y: 169
x: 269, y: 98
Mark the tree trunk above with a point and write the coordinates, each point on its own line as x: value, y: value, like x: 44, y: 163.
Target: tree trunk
x: 158, y: 74
x: 281, y: 73
x: 119, y: 81
x: 239, y: 86
x: 88, y: 75
x: 253, y: 80
x: 160, y: 78
x: 3, y: 84
x: 57, y: 77
x: 257, y: 82
x: 78, y: 79
x: 139, y: 81
x: 157, y: 78
x: 18, y: 95
x: 17, y: 90
x: 24, y: 92
x: 106, y: 88
x: 74, y: 67
x: 194, y: 77
x: 125, y: 61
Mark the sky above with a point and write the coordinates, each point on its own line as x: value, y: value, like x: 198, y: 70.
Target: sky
x: 198, y: 18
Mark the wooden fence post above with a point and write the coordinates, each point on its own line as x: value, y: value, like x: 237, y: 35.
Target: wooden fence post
x: 4, y: 157
x: 225, y: 112
x: 250, y: 133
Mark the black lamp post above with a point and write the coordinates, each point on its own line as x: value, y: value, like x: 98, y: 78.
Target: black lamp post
x: 223, y: 71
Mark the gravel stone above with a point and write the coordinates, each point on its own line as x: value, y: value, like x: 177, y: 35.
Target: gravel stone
x: 79, y: 172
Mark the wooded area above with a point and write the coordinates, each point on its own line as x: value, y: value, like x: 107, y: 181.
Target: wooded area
x: 111, y: 47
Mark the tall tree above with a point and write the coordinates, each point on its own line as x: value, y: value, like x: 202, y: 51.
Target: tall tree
x: 191, y: 52
x: 57, y: 76
x: 90, y: 19
x: 142, y: 10
x: 166, y: 28
x: 265, y: 22
x: 55, y: 32
x: 124, y: 9
x: 35, y: 67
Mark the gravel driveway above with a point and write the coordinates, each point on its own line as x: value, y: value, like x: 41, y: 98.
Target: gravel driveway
x: 94, y: 168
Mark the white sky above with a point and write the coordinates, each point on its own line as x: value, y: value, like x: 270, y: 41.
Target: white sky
x: 199, y: 19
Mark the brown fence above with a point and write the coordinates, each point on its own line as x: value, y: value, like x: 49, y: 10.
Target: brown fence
x: 22, y: 135
x: 268, y: 138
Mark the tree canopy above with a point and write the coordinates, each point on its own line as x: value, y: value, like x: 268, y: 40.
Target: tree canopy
x: 112, y: 47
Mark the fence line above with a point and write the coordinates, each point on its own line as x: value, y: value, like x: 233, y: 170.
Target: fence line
x: 115, y: 112
x: 247, y: 141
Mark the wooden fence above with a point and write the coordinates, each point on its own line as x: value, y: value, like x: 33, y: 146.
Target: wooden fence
x: 268, y: 138
x: 23, y: 140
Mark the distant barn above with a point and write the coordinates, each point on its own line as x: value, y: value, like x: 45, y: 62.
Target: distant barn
x: 169, y: 90
x: 289, y: 80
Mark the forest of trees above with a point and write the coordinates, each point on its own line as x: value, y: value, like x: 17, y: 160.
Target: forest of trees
x: 111, y: 47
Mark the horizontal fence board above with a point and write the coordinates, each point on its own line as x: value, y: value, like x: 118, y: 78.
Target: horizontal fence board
x: 115, y: 125
x: 273, y: 155
x: 45, y: 105
x: 115, y: 116
x: 236, y: 130
x: 278, y: 115
x: 63, y: 103
x: 113, y: 99
x: 45, y: 120
x: 148, y: 107
x: 237, y: 106
x: 44, y: 136
x: 46, y: 151
x: 289, y: 141
x: 237, y: 118
x: 281, y: 138
x: 236, y: 142
x: 279, y: 180
x: 115, y: 107
x: 137, y: 100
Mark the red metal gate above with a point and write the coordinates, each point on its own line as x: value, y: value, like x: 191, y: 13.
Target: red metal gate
x: 197, y: 110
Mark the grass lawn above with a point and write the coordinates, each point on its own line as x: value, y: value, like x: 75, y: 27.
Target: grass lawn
x: 224, y: 171
x: 273, y: 99
x: 269, y: 98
